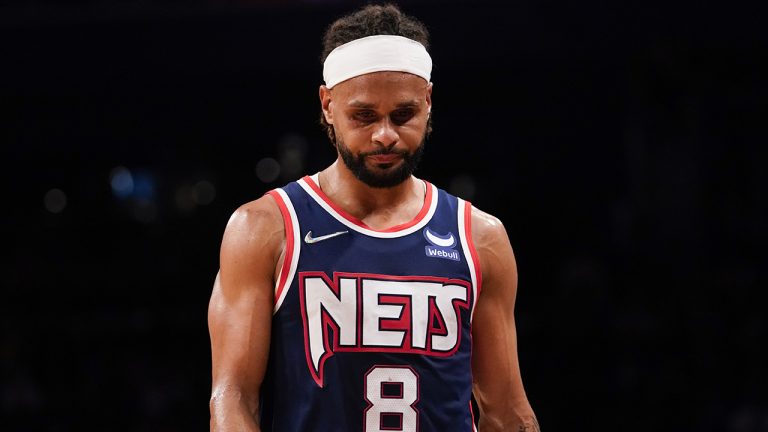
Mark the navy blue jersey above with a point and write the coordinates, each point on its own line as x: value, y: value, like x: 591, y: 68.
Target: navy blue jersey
x: 371, y: 328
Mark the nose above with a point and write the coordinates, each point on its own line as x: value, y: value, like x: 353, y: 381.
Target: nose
x: 385, y: 133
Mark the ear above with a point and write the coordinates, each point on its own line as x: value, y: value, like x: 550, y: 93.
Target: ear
x: 325, y: 103
x: 429, y: 98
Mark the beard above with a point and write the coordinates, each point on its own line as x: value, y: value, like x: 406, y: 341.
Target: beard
x: 385, y: 176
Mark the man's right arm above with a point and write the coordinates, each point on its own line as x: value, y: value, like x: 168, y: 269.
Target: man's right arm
x: 240, y: 313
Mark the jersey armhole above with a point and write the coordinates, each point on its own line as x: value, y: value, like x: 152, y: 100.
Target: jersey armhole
x: 292, y: 246
x: 468, y: 245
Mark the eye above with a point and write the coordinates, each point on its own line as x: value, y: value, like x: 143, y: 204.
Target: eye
x: 365, y: 116
x: 402, y: 115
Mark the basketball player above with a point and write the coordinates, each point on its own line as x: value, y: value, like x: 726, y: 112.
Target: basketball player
x: 362, y: 298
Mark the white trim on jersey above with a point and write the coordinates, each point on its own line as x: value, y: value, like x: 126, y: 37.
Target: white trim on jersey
x: 294, y: 257
x: 369, y: 232
x: 465, y: 246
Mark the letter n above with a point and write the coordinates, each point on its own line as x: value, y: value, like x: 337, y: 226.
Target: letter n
x: 326, y: 305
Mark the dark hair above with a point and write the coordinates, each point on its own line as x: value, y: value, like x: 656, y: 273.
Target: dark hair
x: 371, y: 20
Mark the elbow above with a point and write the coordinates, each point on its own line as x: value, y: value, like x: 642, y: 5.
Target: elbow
x: 526, y: 423
x: 230, y: 398
x: 505, y: 417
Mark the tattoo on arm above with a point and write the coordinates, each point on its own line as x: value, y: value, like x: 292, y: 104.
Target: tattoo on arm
x: 533, y: 426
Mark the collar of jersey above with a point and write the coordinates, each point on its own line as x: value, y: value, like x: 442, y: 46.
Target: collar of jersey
x: 310, y: 185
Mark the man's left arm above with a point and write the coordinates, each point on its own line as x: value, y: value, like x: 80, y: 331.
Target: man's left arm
x: 498, y: 386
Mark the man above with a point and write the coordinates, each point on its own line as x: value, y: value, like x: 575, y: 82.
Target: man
x: 364, y: 298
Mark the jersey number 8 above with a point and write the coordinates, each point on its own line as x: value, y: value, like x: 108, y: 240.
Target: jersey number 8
x: 391, y: 393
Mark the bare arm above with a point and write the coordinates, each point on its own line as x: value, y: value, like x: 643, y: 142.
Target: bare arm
x: 498, y: 386
x: 240, y: 314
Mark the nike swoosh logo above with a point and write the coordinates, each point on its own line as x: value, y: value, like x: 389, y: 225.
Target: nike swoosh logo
x: 309, y: 239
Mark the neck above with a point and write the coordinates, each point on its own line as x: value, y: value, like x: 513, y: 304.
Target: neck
x: 361, y: 200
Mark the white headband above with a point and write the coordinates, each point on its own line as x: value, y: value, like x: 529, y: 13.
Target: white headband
x: 375, y: 54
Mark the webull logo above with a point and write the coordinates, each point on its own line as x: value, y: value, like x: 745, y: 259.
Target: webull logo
x: 442, y: 246
x: 442, y: 253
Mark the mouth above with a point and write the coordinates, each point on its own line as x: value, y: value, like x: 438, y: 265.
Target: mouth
x: 385, y: 159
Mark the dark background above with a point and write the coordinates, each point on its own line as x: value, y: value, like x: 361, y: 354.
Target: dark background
x: 621, y: 143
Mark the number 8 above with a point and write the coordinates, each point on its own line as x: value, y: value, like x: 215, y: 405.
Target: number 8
x: 391, y: 393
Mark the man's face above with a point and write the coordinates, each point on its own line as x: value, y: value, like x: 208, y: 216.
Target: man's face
x: 380, y: 122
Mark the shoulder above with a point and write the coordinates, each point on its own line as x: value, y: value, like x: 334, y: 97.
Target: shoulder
x: 487, y: 229
x: 254, y: 226
x: 256, y: 215
x: 492, y: 245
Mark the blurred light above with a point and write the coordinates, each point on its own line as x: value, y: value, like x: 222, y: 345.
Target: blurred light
x: 293, y: 164
x: 55, y: 201
x: 185, y: 199
x: 143, y: 187
x: 267, y: 170
x: 204, y: 192
x: 122, y: 182
x: 293, y: 152
x: 463, y: 186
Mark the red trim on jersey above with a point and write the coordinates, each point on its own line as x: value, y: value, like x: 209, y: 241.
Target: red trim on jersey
x: 288, y: 223
x: 422, y: 213
x: 471, y: 244
x: 472, y: 413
